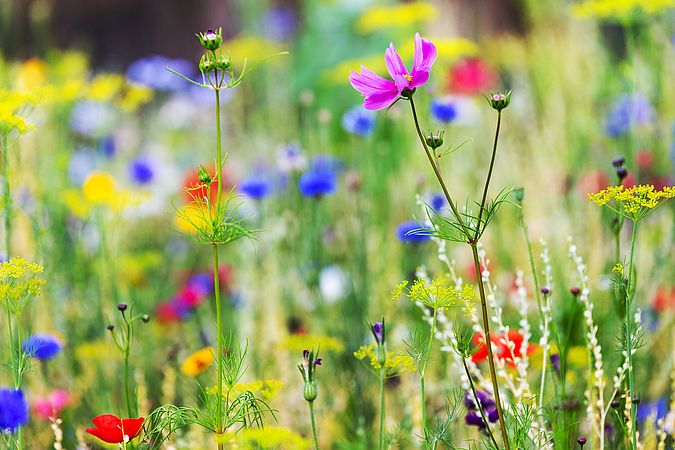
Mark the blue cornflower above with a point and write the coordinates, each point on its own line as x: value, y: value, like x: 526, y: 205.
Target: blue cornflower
x: 42, y: 346
x: 359, y: 121
x: 444, y: 110
x: 627, y: 112
x: 437, y: 201
x: 13, y: 409
x: 658, y: 407
x: 256, y: 186
x: 151, y: 71
x: 409, y: 232
x: 141, y: 171
x: 317, y: 183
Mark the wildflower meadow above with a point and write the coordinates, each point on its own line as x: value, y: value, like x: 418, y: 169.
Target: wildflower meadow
x: 338, y: 224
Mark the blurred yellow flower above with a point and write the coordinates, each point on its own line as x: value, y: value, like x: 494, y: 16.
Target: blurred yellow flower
x: 31, y: 73
x: 104, y: 87
x: 400, y: 15
x: 267, y: 438
x: 192, y: 218
x: 395, y: 364
x: 197, y: 362
x: 12, y: 103
x: 250, y: 48
x: 69, y: 66
x: 265, y: 388
x: 620, y: 9
x: 300, y: 342
x: 99, y: 349
x: 73, y: 200
x: 99, y: 188
x: 134, y: 96
x: 578, y: 356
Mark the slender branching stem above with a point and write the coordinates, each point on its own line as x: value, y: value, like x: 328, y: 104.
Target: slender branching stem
x: 480, y: 405
x: 382, y: 376
x: 311, y: 414
x: 6, y: 195
x: 219, y: 351
x: 423, y: 372
x: 630, y: 292
x: 489, y: 175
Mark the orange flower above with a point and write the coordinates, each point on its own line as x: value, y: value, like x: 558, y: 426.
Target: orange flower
x: 198, y: 362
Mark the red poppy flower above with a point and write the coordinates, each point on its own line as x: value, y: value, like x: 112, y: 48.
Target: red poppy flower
x: 502, y: 351
x: 112, y: 429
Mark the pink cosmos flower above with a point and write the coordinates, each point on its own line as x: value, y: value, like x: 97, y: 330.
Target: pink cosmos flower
x: 51, y: 405
x: 379, y: 92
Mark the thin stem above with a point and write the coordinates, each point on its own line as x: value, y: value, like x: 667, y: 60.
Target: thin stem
x: 381, y: 408
x: 219, y: 149
x: 480, y: 406
x: 489, y: 175
x: 219, y: 330
x: 488, y: 344
x: 311, y: 414
x: 6, y: 194
x: 631, y: 373
x: 424, y: 370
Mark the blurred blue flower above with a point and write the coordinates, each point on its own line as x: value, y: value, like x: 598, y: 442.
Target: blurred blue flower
x: 646, y: 409
x: 279, y: 23
x: 203, y: 281
x: 327, y: 163
x: 256, y: 186
x: 141, y: 170
x: 93, y: 119
x: 627, y: 112
x: 151, y: 71
x: 81, y: 164
x: 444, y: 110
x: 42, y: 346
x: 13, y: 409
x: 359, y: 121
x: 437, y: 201
x: 409, y: 232
x: 317, y: 182
x: 107, y: 146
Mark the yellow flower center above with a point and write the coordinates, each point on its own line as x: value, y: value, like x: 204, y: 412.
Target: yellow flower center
x: 408, y: 77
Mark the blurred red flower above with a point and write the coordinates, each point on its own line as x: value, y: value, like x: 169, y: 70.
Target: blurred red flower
x: 112, y: 429
x: 471, y: 76
x: 200, y: 190
x: 501, y: 342
x: 664, y: 299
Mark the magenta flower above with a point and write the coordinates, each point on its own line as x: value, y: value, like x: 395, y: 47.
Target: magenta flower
x: 379, y: 92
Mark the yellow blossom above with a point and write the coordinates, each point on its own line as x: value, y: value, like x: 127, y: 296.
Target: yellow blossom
x: 620, y: 9
x: 265, y: 388
x: 197, y: 362
x: 441, y: 293
x: 250, y: 49
x: 300, y: 342
x: 635, y: 202
x: 268, y: 438
x: 31, y: 73
x: 399, y: 15
x: 99, y: 188
x: 104, y: 87
x: 134, y: 96
x: 394, y: 364
x: 192, y: 218
x: 99, y: 349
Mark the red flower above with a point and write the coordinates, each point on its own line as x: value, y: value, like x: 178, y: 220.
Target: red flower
x: 503, y: 351
x: 112, y: 429
x: 664, y: 299
x: 195, y: 188
x: 471, y: 76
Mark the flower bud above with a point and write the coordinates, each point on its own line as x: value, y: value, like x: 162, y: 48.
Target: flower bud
x: 545, y: 290
x: 381, y: 356
x: 622, y: 173
x: 122, y: 307
x: 581, y: 440
x: 110, y: 327
x: 519, y: 194
x: 310, y: 391
x: 499, y: 100
x: 618, y: 161
x: 145, y: 318
x: 211, y: 39
x: 575, y: 291
x: 435, y: 140
x: 223, y: 62
x: 203, y: 175
x: 206, y: 63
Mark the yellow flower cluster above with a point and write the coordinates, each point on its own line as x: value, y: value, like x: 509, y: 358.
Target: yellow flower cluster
x: 11, y: 105
x: 99, y: 189
x: 267, y: 438
x: 300, y: 342
x: 439, y: 294
x: 399, y: 15
x: 395, y: 364
x: 19, y: 280
x: 620, y: 9
x: 634, y: 202
x: 266, y: 388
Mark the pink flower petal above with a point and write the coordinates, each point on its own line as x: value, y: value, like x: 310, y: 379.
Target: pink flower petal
x: 380, y: 100
x: 368, y: 82
x: 425, y: 56
x: 394, y: 63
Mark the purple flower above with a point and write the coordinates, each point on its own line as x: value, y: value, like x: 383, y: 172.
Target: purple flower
x: 657, y: 407
x: 291, y: 159
x: 141, y: 171
x: 42, y: 346
x: 279, y: 23
x: 151, y: 71
x: 473, y: 418
x: 316, y: 362
x: 444, y: 109
x: 256, y: 186
x: 555, y: 361
x: 317, y: 183
x: 410, y: 233
x: 627, y: 112
x: 437, y: 201
x: 13, y: 409
x: 378, y: 332
x: 379, y: 92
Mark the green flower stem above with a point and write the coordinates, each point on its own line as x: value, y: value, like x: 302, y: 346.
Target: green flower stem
x: 6, y: 195
x: 219, y: 148
x: 131, y: 411
x: 631, y: 372
x: 381, y: 408
x: 423, y: 372
x: 473, y: 243
x: 311, y: 414
x: 480, y: 405
x: 489, y: 175
x: 219, y: 356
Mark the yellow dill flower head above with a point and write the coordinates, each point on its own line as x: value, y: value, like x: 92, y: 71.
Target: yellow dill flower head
x: 99, y: 188
x: 395, y: 16
x: 197, y: 362
x: 620, y: 10
x: 104, y: 87
x: 394, y: 364
x: 442, y: 294
x: 268, y: 438
x: 19, y: 281
x: 14, y: 122
x: 398, y: 290
x: 300, y: 342
x: 31, y: 74
x: 634, y: 203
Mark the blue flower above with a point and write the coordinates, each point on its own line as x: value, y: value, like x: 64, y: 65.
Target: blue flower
x: 658, y: 407
x: 256, y: 186
x: 279, y: 23
x: 141, y: 171
x: 151, y: 71
x: 437, y: 201
x: 42, y: 346
x: 444, y: 110
x: 409, y: 232
x: 317, y: 183
x: 359, y: 121
x: 13, y: 409
x: 627, y: 112
x: 327, y: 163
x: 93, y: 119
x: 107, y: 146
